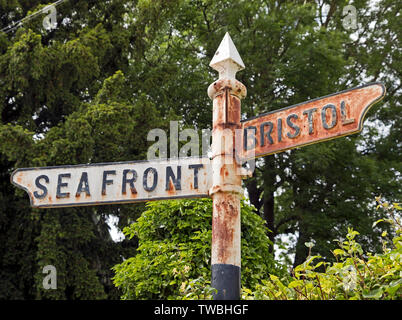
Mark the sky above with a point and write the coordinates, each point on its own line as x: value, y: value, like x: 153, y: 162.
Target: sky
x: 115, y: 233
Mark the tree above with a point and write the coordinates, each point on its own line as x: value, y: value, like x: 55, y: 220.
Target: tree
x: 65, y: 100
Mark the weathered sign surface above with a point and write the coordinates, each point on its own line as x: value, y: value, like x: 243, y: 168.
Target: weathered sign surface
x: 118, y: 182
x: 316, y: 120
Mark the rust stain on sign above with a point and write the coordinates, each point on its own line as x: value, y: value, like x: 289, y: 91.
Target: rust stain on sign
x: 118, y: 182
x: 317, y: 120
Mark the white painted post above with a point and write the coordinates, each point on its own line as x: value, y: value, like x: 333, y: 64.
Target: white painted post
x: 226, y: 189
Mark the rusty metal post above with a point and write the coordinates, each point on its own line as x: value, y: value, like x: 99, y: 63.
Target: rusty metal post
x: 226, y: 189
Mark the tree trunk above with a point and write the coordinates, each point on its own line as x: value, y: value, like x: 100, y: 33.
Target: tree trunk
x: 254, y: 192
x: 269, y: 200
x: 301, y: 249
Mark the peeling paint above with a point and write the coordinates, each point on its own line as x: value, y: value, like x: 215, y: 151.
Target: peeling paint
x: 226, y: 182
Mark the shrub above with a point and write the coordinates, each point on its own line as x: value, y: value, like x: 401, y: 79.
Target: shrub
x: 355, y: 275
x: 173, y: 259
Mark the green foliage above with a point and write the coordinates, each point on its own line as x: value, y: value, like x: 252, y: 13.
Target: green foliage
x: 174, y: 254
x: 356, y: 275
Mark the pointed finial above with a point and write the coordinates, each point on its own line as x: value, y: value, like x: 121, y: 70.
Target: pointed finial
x: 227, y: 60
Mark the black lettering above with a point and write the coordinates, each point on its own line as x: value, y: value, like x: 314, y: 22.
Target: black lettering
x: 83, y: 185
x: 130, y: 181
x: 268, y: 133
x: 41, y: 186
x: 170, y: 174
x: 105, y: 181
x: 196, y: 168
x: 309, y: 114
x: 323, y: 116
x: 246, y: 146
x: 345, y: 121
x: 279, y: 129
x: 145, y: 179
x: 293, y: 126
x: 61, y: 184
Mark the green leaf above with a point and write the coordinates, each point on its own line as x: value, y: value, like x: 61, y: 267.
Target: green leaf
x: 338, y: 252
x: 373, y: 294
x: 273, y: 277
x: 295, y: 283
x: 397, y: 206
x: 392, y: 290
x: 377, y: 222
x: 394, y: 286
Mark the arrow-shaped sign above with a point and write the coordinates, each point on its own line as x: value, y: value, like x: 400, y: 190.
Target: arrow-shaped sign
x: 118, y: 182
x: 333, y: 116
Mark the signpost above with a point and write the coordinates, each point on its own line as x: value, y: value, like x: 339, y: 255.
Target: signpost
x: 226, y: 190
x: 220, y: 177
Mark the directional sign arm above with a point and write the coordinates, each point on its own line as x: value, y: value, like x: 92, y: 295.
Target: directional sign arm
x: 310, y: 122
x: 119, y: 182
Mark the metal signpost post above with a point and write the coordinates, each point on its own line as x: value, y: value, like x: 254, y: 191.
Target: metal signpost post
x: 233, y: 142
x: 226, y: 171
